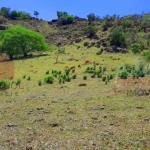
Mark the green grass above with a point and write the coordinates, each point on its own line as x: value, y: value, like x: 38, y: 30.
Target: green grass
x: 67, y: 116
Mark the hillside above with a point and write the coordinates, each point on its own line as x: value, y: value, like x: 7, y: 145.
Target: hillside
x: 89, y: 91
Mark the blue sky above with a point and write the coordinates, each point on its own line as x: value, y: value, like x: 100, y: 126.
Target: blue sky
x: 48, y: 8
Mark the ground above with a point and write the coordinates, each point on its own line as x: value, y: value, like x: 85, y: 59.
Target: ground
x: 67, y: 116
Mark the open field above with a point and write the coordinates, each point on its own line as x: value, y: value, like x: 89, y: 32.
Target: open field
x: 68, y: 116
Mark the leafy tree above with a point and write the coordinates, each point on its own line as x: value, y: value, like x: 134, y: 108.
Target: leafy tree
x: 36, y: 13
x: 90, y: 30
x: 91, y: 17
x: 14, y: 14
x: 23, y: 15
x: 18, y: 41
x: 117, y: 37
x: 64, y: 18
x: 5, y: 12
x: 135, y: 48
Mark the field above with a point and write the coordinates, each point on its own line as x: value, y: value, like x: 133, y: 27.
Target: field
x: 69, y: 116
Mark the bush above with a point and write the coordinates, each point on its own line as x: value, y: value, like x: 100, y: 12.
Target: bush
x: 103, y: 79
x: 91, y: 17
x: 99, y: 75
x: 79, y: 66
x: 117, y: 37
x: 123, y: 75
x: 74, y: 76
x: 67, y: 71
x: 29, y: 78
x: 90, y: 30
x: 47, y: 72
x: 49, y: 80
x: 18, y: 82
x: 24, y: 76
x: 135, y: 48
x: 40, y: 83
x: 4, y: 85
x: 84, y: 77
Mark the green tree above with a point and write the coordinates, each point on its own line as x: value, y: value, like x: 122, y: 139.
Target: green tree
x: 5, y: 12
x: 18, y: 41
x: 117, y: 37
x: 14, y: 14
x: 90, y: 30
x: 91, y: 17
x: 135, y: 48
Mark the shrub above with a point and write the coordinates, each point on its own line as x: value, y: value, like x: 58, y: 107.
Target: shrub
x: 24, y: 76
x: 40, y: 83
x: 79, y: 66
x: 117, y: 37
x: 135, y: 48
x: 99, y: 75
x: 74, y: 76
x: 90, y: 30
x: 91, y: 17
x: 93, y: 76
x: 73, y: 70
x: 47, y: 72
x: 103, y: 78
x: 68, y: 79
x: 29, y: 78
x: 67, y: 71
x: 123, y: 75
x: 18, y: 82
x: 4, y: 85
x: 49, y: 80
x: 84, y: 77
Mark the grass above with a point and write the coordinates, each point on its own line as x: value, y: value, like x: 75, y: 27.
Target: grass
x: 66, y: 116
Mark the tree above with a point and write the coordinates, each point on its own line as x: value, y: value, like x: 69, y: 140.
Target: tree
x: 135, y: 48
x: 90, y: 30
x: 14, y: 14
x: 36, y: 13
x: 117, y: 37
x: 91, y: 17
x: 59, y: 51
x: 5, y: 12
x: 17, y: 41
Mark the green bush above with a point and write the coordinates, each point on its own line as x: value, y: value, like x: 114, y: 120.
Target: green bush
x: 123, y: 75
x: 40, y: 83
x: 47, y: 72
x: 135, y: 48
x: 84, y: 77
x: 24, y: 76
x: 18, y: 82
x: 29, y: 78
x: 74, y: 76
x: 90, y: 30
x: 49, y: 80
x: 4, y: 85
x: 103, y: 79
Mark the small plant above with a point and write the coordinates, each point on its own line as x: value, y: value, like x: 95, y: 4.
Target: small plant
x: 103, y: 79
x: 113, y: 69
x: 49, y: 80
x: 67, y: 71
x: 4, y: 85
x: 84, y: 77
x: 123, y: 75
x: 24, y: 76
x: 121, y: 67
x: 104, y: 69
x: 74, y: 76
x: 18, y: 82
x: 47, y: 72
x: 79, y: 66
x: 73, y: 70
x: 40, y: 83
x: 93, y: 76
x: 29, y: 78
x: 68, y: 79
x: 99, y: 75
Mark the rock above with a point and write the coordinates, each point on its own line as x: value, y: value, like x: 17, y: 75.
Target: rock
x: 70, y: 59
x: 82, y: 84
x: 77, y: 40
x: 53, y: 124
x: 86, y: 43
x: 11, y: 125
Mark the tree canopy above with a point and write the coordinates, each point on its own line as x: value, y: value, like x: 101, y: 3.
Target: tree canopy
x: 17, y: 41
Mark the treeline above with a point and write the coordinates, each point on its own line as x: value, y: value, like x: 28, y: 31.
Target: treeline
x: 7, y: 13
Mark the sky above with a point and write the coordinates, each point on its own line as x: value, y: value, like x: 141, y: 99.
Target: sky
x: 47, y: 8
